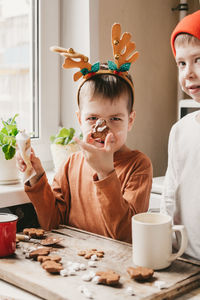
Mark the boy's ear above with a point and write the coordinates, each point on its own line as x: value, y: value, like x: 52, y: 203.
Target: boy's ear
x: 78, y: 114
x: 131, y: 120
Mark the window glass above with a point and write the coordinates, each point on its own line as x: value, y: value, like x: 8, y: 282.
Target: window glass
x: 18, y: 63
x: 29, y: 71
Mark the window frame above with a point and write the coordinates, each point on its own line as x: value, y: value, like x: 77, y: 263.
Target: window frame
x: 49, y: 78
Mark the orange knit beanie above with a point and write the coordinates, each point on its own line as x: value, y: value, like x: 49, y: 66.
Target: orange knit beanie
x: 189, y: 24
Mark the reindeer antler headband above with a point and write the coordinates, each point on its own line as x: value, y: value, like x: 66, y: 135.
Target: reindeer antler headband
x: 123, y: 55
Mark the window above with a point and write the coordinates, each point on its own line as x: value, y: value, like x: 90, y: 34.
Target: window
x: 17, y: 64
x: 29, y: 72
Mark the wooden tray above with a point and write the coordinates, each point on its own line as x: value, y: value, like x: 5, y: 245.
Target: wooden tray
x: 29, y: 275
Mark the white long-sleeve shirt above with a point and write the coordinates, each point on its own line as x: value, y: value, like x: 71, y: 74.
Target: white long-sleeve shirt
x: 181, y: 196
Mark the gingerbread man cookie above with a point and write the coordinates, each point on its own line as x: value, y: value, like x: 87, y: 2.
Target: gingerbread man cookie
x: 42, y: 258
x: 88, y: 253
x: 100, y: 130
x: 108, y: 277
x: 52, y: 266
x: 34, y: 232
x: 50, y: 241
x: 140, y: 273
x: 39, y: 252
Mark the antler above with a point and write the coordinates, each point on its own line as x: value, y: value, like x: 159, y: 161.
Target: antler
x: 71, y: 60
x: 122, y: 48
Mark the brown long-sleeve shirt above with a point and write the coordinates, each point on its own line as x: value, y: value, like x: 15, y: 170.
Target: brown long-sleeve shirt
x: 77, y: 198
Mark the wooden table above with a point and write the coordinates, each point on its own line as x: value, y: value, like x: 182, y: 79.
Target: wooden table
x: 27, y: 274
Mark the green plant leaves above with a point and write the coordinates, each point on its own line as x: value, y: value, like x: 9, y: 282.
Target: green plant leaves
x: 8, y: 137
x: 64, y: 136
x: 9, y: 151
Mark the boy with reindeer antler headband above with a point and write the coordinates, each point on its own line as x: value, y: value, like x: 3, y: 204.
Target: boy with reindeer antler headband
x: 101, y: 187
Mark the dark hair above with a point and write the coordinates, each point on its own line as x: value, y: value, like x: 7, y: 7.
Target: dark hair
x: 110, y: 86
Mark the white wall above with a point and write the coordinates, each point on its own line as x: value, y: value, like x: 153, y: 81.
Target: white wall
x: 154, y: 73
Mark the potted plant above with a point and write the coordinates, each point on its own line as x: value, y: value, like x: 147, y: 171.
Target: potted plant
x: 9, y: 173
x: 62, y: 146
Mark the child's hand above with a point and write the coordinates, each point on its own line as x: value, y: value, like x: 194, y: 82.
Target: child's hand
x: 36, y: 164
x: 99, y: 158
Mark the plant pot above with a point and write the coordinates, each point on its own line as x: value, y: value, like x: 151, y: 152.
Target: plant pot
x: 60, y: 153
x: 9, y: 173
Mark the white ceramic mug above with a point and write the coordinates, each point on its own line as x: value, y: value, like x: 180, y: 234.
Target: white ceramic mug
x: 152, y: 240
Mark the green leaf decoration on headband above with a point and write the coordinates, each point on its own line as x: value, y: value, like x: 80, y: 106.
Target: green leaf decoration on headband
x: 84, y: 71
x: 95, y: 68
x: 123, y: 68
x: 112, y: 66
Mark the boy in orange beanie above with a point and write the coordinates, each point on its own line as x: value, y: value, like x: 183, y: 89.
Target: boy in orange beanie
x: 181, y: 197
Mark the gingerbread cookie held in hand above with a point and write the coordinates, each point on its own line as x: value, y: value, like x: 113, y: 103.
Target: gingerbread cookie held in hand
x: 100, y: 130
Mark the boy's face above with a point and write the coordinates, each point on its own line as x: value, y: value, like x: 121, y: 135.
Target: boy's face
x: 188, y: 62
x: 115, y: 113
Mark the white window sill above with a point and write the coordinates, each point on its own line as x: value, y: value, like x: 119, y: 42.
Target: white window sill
x: 14, y: 194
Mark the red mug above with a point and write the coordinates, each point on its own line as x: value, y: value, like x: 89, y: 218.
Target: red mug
x: 7, y: 234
